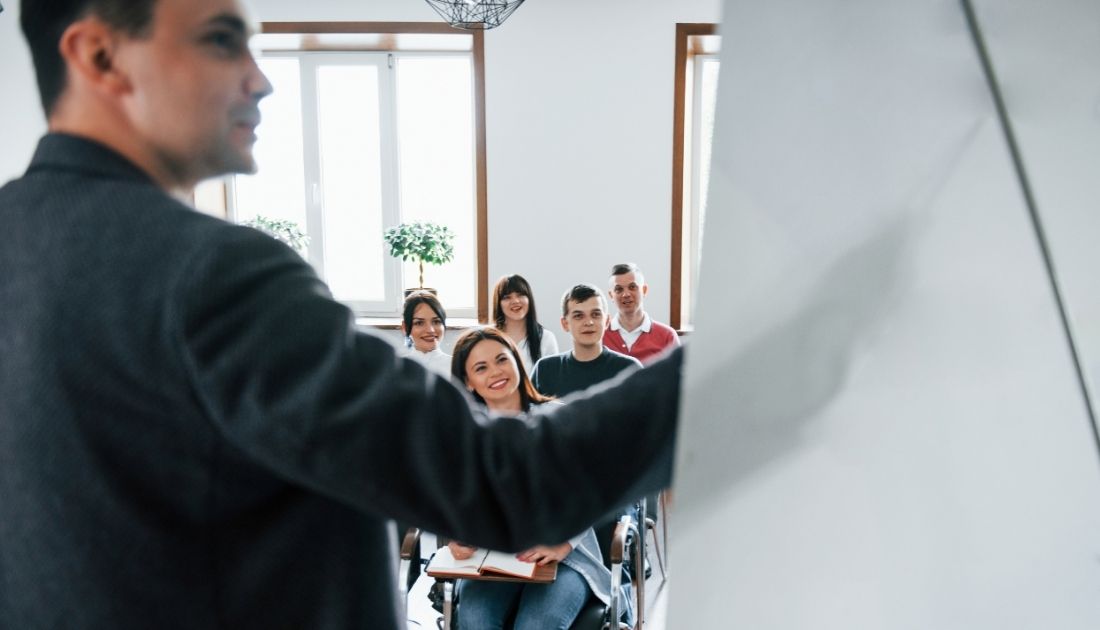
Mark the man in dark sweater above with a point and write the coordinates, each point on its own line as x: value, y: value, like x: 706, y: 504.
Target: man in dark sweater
x: 584, y: 316
x: 208, y: 441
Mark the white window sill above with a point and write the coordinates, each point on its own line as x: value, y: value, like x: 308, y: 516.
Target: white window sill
x: 394, y: 323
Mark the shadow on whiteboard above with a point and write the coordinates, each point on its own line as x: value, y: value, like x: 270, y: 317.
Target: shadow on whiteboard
x: 748, y: 402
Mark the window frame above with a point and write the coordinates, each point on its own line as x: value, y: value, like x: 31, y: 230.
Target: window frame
x: 386, y: 37
x: 681, y: 116
x: 309, y: 63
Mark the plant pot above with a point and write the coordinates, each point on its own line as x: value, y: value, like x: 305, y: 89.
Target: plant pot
x: 409, y: 292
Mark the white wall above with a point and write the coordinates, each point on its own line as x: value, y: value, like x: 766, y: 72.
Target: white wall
x: 21, y: 120
x: 579, y: 131
x: 580, y: 142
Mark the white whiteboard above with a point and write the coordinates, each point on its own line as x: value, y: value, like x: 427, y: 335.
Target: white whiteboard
x: 883, y: 423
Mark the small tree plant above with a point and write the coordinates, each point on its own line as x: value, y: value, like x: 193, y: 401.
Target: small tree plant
x: 285, y: 231
x: 423, y: 242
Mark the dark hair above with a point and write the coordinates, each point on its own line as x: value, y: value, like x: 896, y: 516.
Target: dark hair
x: 517, y: 284
x: 579, y: 294
x: 528, y: 395
x: 415, y: 299
x: 44, y: 23
x: 623, y: 268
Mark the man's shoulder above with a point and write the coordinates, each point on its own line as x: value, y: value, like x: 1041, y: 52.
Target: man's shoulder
x: 137, y: 222
x: 121, y: 210
x: 619, y: 360
x: 553, y: 361
x: 664, y: 332
x: 661, y: 328
x: 109, y: 197
x: 548, y: 374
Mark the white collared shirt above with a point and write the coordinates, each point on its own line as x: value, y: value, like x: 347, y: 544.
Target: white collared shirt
x: 629, y: 337
x: 436, y: 360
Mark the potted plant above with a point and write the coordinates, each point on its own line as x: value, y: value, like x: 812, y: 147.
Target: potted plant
x: 286, y: 231
x: 423, y: 242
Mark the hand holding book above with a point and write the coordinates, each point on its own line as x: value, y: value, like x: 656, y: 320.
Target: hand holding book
x: 458, y: 560
x: 461, y: 551
x: 543, y: 554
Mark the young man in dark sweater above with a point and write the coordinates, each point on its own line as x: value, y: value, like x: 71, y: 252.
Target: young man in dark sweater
x: 584, y: 317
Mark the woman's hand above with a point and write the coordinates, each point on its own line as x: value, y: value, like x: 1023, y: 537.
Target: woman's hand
x: 545, y: 555
x: 461, y: 551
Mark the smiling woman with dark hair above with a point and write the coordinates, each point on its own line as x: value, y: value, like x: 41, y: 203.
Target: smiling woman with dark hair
x: 514, y: 314
x: 514, y: 392
x: 487, y: 362
x: 424, y: 321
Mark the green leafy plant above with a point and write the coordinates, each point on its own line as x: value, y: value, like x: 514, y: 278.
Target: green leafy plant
x: 423, y: 242
x: 285, y: 231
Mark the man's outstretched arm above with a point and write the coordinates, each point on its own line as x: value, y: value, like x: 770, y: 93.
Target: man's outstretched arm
x: 282, y: 372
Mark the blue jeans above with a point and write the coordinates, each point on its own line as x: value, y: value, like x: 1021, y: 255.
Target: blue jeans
x: 488, y: 605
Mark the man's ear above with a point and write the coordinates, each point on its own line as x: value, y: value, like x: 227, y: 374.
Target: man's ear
x: 565, y: 324
x: 89, y: 48
x: 645, y: 289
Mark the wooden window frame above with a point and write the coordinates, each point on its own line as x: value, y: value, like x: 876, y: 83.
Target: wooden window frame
x: 684, y: 33
x: 477, y: 50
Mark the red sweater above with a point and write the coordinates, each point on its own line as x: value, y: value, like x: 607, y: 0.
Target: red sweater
x: 647, y: 346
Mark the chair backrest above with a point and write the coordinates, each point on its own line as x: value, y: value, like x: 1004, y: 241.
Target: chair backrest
x: 605, y: 529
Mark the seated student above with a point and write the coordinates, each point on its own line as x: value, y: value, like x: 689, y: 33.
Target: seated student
x: 423, y: 321
x: 632, y: 331
x: 487, y: 362
x: 514, y: 315
x: 584, y: 317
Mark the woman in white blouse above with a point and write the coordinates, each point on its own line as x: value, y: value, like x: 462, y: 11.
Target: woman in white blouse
x: 423, y: 321
x: 514, y: 315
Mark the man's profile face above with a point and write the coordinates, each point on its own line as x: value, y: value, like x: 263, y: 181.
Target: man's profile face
x: 585, y: 322
x: 628, y: 293
x: 195, y: 88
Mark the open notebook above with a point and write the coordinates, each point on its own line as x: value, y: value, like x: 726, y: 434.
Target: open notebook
x: 484, y: 562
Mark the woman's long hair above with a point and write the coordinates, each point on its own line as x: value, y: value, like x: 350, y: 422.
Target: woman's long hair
x: 516, y: 283
x: 415, y: 299
x: 528, y: 395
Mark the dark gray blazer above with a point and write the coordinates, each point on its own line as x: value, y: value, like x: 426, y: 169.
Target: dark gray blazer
x: 194, y: 435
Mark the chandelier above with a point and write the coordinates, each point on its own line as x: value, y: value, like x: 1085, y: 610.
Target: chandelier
x: 475, y: 15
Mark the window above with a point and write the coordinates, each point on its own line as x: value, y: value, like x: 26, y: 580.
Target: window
x: 367, y: 129
x: 696, y: 89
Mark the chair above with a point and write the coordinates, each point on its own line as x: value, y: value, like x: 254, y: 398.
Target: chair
x: 410, y: 567
x: 660, y: 502
x: 594, y: 615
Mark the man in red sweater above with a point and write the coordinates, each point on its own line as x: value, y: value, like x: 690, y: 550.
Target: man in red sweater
x: 631, y: 331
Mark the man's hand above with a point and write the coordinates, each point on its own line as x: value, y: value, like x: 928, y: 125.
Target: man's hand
x: 545, y: 555
x: 461, y: 551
